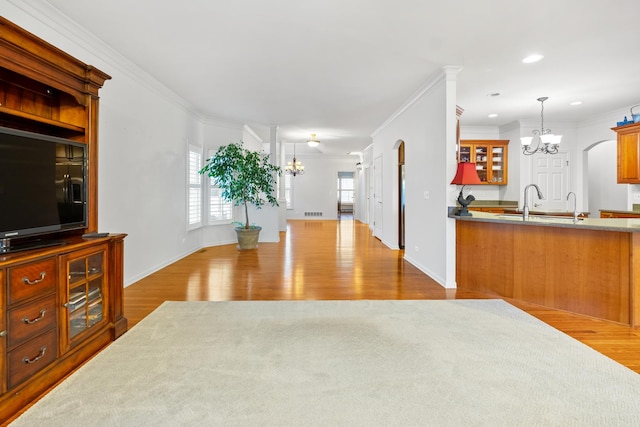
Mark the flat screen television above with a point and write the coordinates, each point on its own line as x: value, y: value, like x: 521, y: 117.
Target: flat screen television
x: 42, y: 187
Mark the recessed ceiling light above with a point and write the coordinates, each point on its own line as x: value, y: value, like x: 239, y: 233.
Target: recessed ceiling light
x: 492, y: 115
x: 494, y: 94
x: 532, y: 58
x: 575, y: 103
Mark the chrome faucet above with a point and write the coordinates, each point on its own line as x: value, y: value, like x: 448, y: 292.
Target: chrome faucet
x: 525, y: 207
x: 575, y: 208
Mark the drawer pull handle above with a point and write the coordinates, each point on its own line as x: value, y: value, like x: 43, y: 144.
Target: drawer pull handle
x: 36, y: 320
x: 3, y: 333
x: 26, y: 280
x: 40, y: 355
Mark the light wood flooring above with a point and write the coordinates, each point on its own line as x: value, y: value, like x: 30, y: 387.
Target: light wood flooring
x: 336, y: 260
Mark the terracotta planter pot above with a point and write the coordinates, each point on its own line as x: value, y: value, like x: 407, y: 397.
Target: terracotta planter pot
x: 248, y: 237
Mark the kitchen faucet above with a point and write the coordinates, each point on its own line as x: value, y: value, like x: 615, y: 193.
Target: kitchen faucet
x: 525, y: 207
x: 575, y: 202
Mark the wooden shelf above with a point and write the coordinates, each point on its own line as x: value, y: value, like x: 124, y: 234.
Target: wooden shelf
x: 491, y: 159
x: 6, y: 111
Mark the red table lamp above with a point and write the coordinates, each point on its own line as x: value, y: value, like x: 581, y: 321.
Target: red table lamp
x: 466, y: 174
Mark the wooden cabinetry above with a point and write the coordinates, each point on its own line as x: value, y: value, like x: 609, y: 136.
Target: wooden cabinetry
x: 628, y: 153
x: 44, y: 90
x: 491, y: 158
x: 85, y: 296
x: 600, y: 264
x: 31, y: 319
x: 618, y: 214
x: 62, y: 306
x: 46, y: 330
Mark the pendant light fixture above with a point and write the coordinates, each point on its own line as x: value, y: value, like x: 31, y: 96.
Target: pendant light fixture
x: 313, y: 142
x: 546, y: 142
x: 294, y: 167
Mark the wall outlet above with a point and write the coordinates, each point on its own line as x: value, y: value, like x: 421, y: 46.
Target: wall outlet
x: 426, y: 195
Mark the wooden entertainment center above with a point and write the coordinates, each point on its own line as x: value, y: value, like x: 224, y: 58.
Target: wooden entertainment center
x: 60, y: 304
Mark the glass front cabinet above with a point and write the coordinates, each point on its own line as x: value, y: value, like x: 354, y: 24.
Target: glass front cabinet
x: 491, y: 159
x: 86, y: 283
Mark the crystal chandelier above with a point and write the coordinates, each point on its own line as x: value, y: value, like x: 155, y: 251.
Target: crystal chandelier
x: 546, y: 142
x: 294, y: 167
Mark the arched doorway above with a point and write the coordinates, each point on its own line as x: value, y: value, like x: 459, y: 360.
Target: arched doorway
x: 600, y: 167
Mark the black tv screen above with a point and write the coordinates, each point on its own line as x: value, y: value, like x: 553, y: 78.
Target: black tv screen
x: 42, y: 184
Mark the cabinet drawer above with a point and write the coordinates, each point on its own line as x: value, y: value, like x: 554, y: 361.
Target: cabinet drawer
x: 32, y: 319
x: 31, y: 279
x: 32, y: 356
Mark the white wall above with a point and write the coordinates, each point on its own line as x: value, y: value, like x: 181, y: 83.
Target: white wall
x: 316, y: 190
x: 427, y: 125
x: 590, y: 133
x: 144, y: 132
x: 511, y: 191
x: 604, y: 192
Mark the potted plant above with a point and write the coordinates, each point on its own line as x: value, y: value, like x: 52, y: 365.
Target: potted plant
x: 245, y: 177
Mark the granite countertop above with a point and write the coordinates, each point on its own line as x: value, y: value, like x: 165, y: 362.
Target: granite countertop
x: 637, y: 212
x: 495, y: 204
x: 542, y: 212
x: 607, y: 224
x: 635, y: 209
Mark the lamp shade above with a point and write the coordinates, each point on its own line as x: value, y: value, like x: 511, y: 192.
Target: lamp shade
x: 547, y: 138
x: 526, y: 140
x: 466, y: 174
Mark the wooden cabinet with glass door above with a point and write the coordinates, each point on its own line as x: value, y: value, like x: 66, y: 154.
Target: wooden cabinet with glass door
x: 491, y: 159
x: 86, y: 294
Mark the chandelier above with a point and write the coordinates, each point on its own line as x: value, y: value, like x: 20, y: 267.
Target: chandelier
x: 313, y: 142
x: 546, y: 142
x: 294, y: 167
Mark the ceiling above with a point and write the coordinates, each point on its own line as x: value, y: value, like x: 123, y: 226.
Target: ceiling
x: 340, y: 68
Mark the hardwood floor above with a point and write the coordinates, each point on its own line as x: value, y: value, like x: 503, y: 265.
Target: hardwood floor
x: 331, y: 260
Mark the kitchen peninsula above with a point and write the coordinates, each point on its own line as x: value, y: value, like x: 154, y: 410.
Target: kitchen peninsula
x: 590, y: 266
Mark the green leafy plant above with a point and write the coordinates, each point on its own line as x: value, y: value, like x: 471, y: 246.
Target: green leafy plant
x: 244, y: 176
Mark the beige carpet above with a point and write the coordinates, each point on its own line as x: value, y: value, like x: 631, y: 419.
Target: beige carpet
x: 343, y: 363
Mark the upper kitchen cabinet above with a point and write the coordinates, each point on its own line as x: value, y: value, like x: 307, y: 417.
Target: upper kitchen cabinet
x: 628, y: 153
x: 490, y: 156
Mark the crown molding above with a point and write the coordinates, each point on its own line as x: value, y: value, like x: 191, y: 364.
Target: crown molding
x: 446, y: 73
x: 43, y: 12
x: 251, y: 132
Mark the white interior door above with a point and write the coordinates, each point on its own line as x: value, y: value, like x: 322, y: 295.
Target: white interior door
x: 377, y: 197
x: 367, y: 198
x: 551, y: 173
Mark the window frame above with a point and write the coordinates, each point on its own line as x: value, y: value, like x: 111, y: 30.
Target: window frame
x: 194, y: 187
x: 209, y: 187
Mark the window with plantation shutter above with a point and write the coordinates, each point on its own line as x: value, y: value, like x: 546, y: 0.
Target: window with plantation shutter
x: 194, y: 214
x: 220, y: 211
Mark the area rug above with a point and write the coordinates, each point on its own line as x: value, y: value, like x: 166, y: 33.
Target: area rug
x: 343, y: 363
